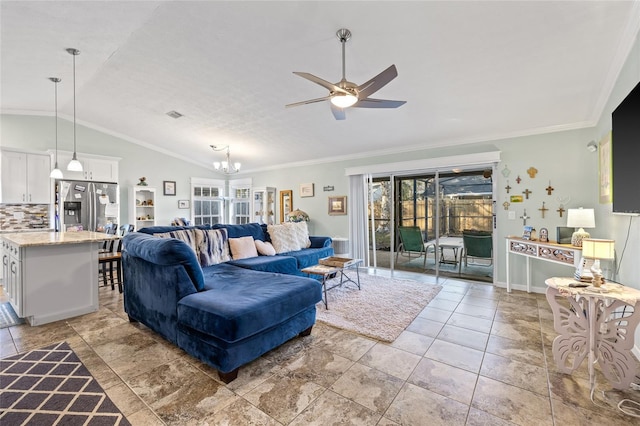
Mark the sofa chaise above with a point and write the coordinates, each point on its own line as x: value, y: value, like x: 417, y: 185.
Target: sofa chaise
x: 226, y: 312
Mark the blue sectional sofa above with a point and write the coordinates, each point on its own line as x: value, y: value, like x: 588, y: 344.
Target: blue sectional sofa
x: 226, y: 314
x: 291, y: 262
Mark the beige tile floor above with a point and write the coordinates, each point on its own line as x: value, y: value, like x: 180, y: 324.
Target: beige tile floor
x: 475, y: 356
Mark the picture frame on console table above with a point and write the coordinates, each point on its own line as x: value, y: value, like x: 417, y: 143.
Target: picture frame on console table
x: 338, y: 205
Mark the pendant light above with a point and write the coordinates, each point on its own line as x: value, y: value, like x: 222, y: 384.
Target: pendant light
x: 74, y: 165
x: 56, y: 173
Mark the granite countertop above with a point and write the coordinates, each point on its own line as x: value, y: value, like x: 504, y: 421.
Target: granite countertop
x: 31, y: 239
x: 13, y: 231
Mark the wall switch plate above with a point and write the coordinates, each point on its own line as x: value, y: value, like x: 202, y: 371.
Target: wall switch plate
x: 512, y: 215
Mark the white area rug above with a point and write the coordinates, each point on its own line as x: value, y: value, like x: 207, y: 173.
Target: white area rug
x: 382, y: 309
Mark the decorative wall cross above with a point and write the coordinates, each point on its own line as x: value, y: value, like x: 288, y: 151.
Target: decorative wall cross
x: 526, y: 193
x: 543, y: 209
x: 508, y: 188
x: 524, y: 217
x: 549, y: 188
x: 560, y: 210
x: 518, y: 180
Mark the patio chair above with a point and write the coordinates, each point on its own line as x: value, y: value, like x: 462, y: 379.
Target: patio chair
x: 411, y: 241
x: 476, y: 245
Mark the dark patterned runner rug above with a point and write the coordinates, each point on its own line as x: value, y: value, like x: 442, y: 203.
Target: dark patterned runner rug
x: 51, y: 386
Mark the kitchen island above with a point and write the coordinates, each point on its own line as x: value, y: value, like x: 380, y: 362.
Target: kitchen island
x: 51, y: 276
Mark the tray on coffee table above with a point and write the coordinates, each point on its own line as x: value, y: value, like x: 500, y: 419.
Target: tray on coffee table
x: 338, y: 262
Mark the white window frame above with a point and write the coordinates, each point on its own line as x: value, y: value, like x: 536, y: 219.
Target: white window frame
x: 236, y: 202
x: 196, y: 201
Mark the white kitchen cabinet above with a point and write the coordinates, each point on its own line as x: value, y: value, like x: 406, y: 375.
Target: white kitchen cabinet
x: 25, y: 178
x: 12, y: 275
x: 94, y: 167
x: 52, y: 276
x: 6, y: 265
x: 100, y: 170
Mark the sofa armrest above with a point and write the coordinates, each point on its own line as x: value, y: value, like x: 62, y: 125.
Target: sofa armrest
x: 320, y: 242
x: 159, y: 273
x: 165, y: 252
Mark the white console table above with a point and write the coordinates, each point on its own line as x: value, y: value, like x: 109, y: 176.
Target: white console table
x: 598, y: 324
x: 563, y: 254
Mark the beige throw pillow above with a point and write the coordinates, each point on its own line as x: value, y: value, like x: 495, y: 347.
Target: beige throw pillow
x: 301, y: 232
x: 242, y: 248
x: 264, y: 248
x: 283, y: 238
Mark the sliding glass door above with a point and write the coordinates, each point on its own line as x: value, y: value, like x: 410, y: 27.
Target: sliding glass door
x: 435, y: 209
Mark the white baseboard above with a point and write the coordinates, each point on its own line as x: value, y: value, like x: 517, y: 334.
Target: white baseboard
x: 520, y: 287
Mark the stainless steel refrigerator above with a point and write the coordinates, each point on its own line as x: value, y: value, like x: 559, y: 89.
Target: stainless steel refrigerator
x: 86, y: 205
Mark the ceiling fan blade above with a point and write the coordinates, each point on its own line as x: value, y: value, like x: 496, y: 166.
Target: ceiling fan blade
x: 310, y: 101
x: 378, y: 103
x: 378, y: 82
x: 338, y: 112
x: 324, y: 83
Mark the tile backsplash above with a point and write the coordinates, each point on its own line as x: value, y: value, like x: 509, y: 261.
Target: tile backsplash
x: 24, y: 216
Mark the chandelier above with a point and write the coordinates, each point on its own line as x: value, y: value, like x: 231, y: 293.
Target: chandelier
x: 226, y: 167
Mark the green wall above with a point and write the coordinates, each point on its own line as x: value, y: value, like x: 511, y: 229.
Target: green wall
x: 561, y: 159
x: 36, y: 133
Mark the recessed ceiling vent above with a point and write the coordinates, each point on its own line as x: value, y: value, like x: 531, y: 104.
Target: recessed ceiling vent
x: 174, y: 114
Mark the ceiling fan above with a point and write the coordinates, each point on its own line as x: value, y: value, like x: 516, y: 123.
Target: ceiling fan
x: 345, y: 94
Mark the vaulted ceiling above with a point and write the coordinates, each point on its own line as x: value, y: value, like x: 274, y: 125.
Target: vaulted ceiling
x: 469, y: 71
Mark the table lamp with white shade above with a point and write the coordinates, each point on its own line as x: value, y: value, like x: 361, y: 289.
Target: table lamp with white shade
x: 597, y: 249
x: 580, y: 218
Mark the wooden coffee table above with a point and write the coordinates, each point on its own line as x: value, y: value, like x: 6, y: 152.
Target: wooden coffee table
x: 329, y: 267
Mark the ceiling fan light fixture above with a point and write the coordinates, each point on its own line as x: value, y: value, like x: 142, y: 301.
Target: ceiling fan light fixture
x: 345, y: 94
x: 343, y: 100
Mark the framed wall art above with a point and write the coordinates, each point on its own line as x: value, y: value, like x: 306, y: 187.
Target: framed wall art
x: 286, y: 204
x: 604, y: 175
x: 338, y: 205
x: 306, y: 190
x: 183, y: 204
x: 169, y: 187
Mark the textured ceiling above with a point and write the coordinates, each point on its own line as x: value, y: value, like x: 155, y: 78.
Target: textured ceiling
x: 469, y: 71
